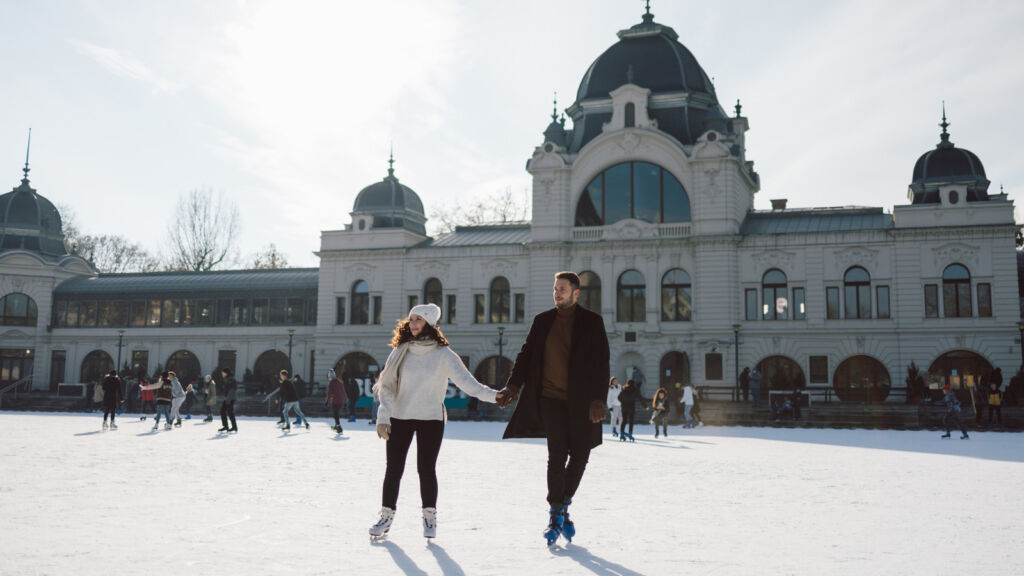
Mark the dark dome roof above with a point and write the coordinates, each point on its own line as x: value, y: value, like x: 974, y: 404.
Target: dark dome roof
x: 947, y: 164
x: 29, y: 221
x: 649, y: 55
x: 393, y: 204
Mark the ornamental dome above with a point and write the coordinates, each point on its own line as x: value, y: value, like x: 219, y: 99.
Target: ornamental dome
x: 392, y: 204
x: 649, y: 55
x: 947, y: 164
x: 28, y: 221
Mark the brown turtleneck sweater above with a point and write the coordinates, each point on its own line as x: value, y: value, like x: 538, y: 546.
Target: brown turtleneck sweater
x: 556, y: 356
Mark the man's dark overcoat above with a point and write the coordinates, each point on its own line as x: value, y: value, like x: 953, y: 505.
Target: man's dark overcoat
x: 588, y: 376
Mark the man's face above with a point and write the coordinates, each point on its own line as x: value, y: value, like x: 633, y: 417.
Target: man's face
x: 564, y: 295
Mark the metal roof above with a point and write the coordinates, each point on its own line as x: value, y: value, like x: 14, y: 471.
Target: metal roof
x: 815, y: 220
x: 485, y: 235
x: 285, y: 280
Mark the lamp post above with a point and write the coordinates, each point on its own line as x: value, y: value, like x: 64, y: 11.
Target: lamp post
x: 291, y: 334
x: 736, y: 358
x: 501, y: 342
x: 120, y: 344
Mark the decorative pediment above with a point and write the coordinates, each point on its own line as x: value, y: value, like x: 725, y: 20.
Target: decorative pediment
x: 955, y: 252
x: 435, y: 269
x: 856, y: 256
x: 502, y: 267
x: 359, y: 270
x: 774, y: 259
x: 710, y: 145
x: 631, y: 229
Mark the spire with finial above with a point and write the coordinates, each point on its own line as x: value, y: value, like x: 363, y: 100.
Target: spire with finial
x: 738, y: 107
x: 945, y: 134
x: 391, y: 162
x: 554, y: 109
x: 648, y: 17
x: 28, y: 148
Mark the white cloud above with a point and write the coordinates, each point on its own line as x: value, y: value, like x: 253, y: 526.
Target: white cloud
x: 124, y: 66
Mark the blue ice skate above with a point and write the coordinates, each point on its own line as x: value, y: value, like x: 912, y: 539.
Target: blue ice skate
x: 568, y: 528
x: 554, y: 525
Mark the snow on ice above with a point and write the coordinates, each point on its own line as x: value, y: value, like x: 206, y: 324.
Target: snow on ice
x: 77, y: 500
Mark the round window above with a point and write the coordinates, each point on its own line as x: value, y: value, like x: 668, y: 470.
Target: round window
x: 362, y: 224
x: 549, y: 147
x: 954, y: 197
x: 712, y: 136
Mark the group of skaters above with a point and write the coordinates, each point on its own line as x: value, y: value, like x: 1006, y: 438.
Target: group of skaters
x: 622, y: 403
x: 168, y: 396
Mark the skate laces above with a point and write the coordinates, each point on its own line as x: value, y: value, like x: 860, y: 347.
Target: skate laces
x: 386, y: 516
x: 430, y: 517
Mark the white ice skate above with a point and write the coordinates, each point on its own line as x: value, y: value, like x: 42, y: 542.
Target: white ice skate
x: 430, y: 523
x: 380, y: 529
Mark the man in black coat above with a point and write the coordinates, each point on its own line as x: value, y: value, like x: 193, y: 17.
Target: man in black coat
x: 562, y: 371
x: 227, y: 407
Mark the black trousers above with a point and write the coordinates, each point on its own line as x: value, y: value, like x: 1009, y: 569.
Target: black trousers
x: 110, y: 407
x: 336, y: 412
x: 567, y: 453
x: 429, y: 434
x: 998, y: 411
x: 628, y: 415
x: 227, y: 410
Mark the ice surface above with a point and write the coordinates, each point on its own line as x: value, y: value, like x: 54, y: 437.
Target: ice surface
x: 78, y: 501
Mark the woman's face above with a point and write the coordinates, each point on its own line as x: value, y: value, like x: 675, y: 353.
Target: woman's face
x: 615, y: 383
x: 416, y: 324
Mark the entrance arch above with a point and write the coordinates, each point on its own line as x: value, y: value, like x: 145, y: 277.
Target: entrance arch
x: 363, y: 368
x: 779, y: 373
x: 860, y: 379
x: 268, y: 365
x: 185, y: 365
x: 674, y: 368
x: 95, y: 366
x: 956, y: 367
x: 487, y: 371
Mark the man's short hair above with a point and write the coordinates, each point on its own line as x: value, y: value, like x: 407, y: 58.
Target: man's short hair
x: 572, y: 277
x: 226, y: 371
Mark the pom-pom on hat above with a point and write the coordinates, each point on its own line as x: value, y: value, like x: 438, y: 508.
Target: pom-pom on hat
x: 429, y: 312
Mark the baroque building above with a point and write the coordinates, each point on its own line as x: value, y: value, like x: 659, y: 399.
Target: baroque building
x: 649, y: 196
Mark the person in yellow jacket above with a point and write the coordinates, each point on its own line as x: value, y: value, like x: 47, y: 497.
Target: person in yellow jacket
x: 995, y: 404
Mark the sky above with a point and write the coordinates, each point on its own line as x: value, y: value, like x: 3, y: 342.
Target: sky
x: 290, y: 108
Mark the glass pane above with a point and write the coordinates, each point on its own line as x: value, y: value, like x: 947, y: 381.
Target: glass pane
x: 119, y: 312
x: 646, y: 192
x: 856, y: 274
x: 631, y: 278
x: 172, y: 313
x: 617, y: 194
x: 850, y: 298
x: 949, y: 300
x: 499, y: 300
x: 277, y: 310
x: 799, y: 313
x: 360, y: 308
x: 956, y: 272
x: 590, y: 291
x: 964, y: 298
x: 138, y: 312
x: 153, y: 313
x: 520, y: 307
x: 863, y: 301
x: 340, y: 304
x: 60, y: 310
x: 685, y: 304
x: 295, y: 311
x: 774, y: 278
x: 432, y: 292
x: 751, y: 304
x: 931, y: 301
x: 260, y: 311
x: 668, y: 304
x: 588, y: 211
x: 378, y: 308
x: 882, y: 293
x: 478, y: 308
x: 984, y: 300
x: 188, y: 312
x: 103, y: 313
x: 675, y: 201
x: 832, y: 302
x: 451, y: 308
x: 239, y: 312
x: 72, y: 314
x: 87, y: 313
x: 204, y: 312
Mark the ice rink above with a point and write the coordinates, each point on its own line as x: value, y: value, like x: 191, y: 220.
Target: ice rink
x: 75, y: 500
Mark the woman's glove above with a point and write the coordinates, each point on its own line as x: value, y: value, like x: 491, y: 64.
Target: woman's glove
x: 384, y: 431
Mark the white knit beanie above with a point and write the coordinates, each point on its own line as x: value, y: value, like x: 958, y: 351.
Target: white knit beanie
x: 429, y: 312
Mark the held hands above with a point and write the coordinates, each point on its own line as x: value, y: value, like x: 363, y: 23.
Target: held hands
x: 597, y: 411
x: 506, y: 396
x: 384, y: 431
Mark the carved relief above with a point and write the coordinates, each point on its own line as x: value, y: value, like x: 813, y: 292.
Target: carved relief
x: 359, y: 270
x: 629, y: 141
x: 774, y: 259
x: 856, y: 255
x: 949, y: 253
x: 494, y: 268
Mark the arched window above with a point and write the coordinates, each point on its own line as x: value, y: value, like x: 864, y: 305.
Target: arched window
x: 492, y: 372
x: 676, y: 301
x: 432, y: 292
x: 590, y: 291
x: 185, y: 365
x: 857, y: 284
x: 775, y: 303
x: 361, y: 368
x: 956, y: 291
x: 861, y: 378
x: 630, y: 115
x: 632, y: 297
x: 96, y: 365
x: 639, y: 190
x: 361, y: 302
x: 780, y: 373
x: 17, y: 309
x: 500, y: 298
x: 268, y: 365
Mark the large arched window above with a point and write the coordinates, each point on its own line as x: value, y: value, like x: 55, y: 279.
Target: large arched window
x: 861, y: 378
x: 493, y: 372
x: 857, y: 284
x: 432, y: 292
x: 500, y: 298
x: 268, y: 365
x: 17, y: 309
x: 676, y: 300
x: 361, y: 368
x: 775, y: 302
x: 780, y: 373
x: 590, y: 291
x: 639, y: 190
x: 956, y: 291
x: 95, y: 366
x: 632, y: 297
x: 185, y: 365
x: 361, y: 302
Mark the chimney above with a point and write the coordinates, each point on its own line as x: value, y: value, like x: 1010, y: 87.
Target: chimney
x: 779, y: 204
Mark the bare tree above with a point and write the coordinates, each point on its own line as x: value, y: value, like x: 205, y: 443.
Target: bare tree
x: 203, y: 232
x: 269, y: 257
x: 109, y: 253
x: 500, y: 207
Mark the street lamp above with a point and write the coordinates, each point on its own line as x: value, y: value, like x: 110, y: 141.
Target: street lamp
x: 736, y: 358
x: 120, y: 344
x: 501, y: 342
x: 291, y: 334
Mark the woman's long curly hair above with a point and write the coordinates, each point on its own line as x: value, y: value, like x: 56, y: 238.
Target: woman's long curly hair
x: 403, y: 334
x: 660, y: 393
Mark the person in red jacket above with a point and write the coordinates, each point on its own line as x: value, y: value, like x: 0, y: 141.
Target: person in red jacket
x: 336, y: 398
x: 146, y: 395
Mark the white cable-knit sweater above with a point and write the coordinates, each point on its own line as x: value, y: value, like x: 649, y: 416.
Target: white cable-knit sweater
x: 422, y: 382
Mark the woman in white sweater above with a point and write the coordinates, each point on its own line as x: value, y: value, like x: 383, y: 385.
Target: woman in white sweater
x: 411, y: 390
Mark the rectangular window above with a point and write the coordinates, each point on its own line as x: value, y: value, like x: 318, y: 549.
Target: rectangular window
x: 832, y: 303
x: 451, y: 308
x: 819, y: 369
x: 87, y: 313
x: 413, y: 301
x: 188, y: 312
x: 140, y: 363
x: 339, y: 304
x: 72, y: 314
x: 520, y: 308
x: 799, y: 307
x: 138, y: 313
x: 204, y: 312
x: 223, y: 312
x: 277, y: 306
x: 377, y: 310
x: 103, y: 313
x: 750, y: 303
x: 713, y: 366
x: 295, y: 310
x: 153, y: 312
x: 478, y: 308
x: 239, y: 312
x: 882, y: 298
x: 260, y: 311
x: 227, y: 359
x: 119, y: 313
x: 60, y: 310
x: 985, y: 300
x: 172, y: 313
x: 931, y: 301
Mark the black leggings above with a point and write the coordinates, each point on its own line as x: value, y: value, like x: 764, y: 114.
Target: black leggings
x: 227, y: 410
x: 336, y: 412
x: 628, y: 414
x: 109, y: 407
x: 428, y: 444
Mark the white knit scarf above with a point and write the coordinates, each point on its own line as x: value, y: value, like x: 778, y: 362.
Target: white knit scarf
x: 394, y: 362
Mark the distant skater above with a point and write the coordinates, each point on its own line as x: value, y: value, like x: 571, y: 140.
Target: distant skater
x: 163, y: 400
x: 628, y: 397
x: 952, y: 418
x: 289, y: 397
x: 111, y: 398
x: 227, y: 407
x: 660, y: 415
x: 336, y: 398
x: 614, y: 406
